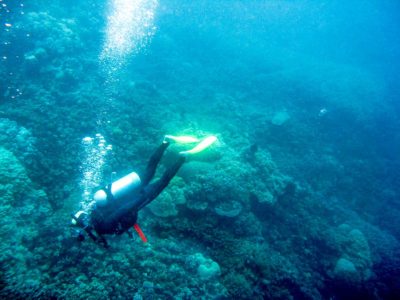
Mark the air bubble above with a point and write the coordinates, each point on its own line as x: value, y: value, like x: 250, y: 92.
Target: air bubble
x: 87, y: 140
x: 95, y: 150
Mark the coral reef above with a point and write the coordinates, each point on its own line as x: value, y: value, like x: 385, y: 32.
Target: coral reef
x: 297, y: 200
x: 21, y: 207
x: 19, y: 140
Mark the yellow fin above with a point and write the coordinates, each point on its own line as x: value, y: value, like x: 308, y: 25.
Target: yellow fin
x: 207, y: 142
x: 182, y: 139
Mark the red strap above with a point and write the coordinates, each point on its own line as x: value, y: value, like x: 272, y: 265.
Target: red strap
x: 140, y: 232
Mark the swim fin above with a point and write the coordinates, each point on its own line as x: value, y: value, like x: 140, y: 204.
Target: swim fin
x: 181, y: 139
x: 204, y: 144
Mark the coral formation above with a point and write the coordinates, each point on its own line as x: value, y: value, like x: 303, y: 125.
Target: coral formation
x: 297, y: 200
x: 21, y: 207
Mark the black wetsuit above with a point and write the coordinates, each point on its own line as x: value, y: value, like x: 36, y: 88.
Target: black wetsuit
x: 121, y: 214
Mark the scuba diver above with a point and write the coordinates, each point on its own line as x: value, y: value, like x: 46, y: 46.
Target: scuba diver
x: 115, y: 207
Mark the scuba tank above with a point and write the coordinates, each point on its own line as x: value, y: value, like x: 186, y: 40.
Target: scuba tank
x: 117, y: 189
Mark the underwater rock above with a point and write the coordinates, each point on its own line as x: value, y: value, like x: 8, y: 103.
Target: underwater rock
x: 137, y: 296
x: 280, y: 118
x: 191, y: 169
x: 229, y: 209
x: 275, y: 185
x: 345, y: 270
x: 18, y: 140
x: 197, y: 197
x: 206, y: 267
x: 147, y: 290
x: 355, y: 248
x: 247, y: 224
x: 219, y: 181
x: 16, y: 188
x: 53, y: 34
x: 36, y: 55
x: 19, y: 202
x: 196, y: 205
x: 166, y: 204
x: 14, y: 181
x: 208, y: 270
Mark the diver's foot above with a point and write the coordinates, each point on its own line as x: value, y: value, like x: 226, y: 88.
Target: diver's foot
x: 204, y: 144
x: 180, y: 139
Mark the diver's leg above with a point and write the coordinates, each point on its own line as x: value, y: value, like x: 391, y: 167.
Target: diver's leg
x: 153, y: 190
x: 153, y: 162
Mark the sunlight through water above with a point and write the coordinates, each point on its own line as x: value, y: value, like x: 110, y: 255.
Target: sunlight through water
x: 130, y: 26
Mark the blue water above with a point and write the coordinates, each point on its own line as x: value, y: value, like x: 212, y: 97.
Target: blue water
x: 298, y: 199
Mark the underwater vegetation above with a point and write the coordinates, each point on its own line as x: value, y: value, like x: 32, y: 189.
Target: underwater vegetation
x: 298, y: 199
